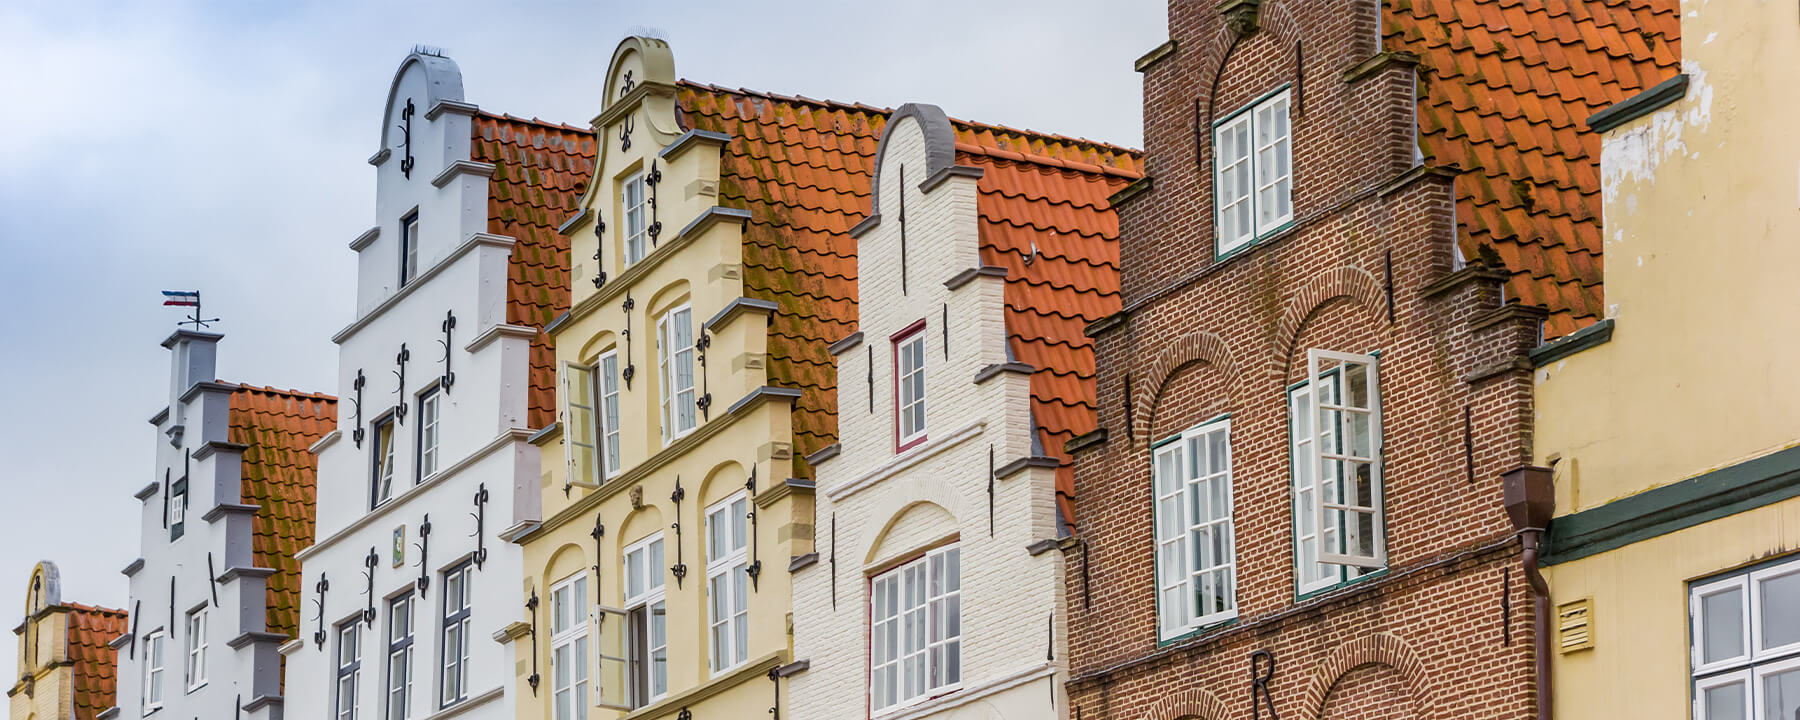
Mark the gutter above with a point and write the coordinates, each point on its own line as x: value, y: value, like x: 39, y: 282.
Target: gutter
x: 1530, y: 500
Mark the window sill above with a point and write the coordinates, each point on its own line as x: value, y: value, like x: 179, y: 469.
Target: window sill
x: 465, y: 704
x: 966, y: 695
x: 192, y: 688
x: 1198, y: 631
x: 1300, y: 597
x: 1280, y: 232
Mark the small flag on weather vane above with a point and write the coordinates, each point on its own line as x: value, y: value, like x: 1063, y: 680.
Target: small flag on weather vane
x: 186, y: 298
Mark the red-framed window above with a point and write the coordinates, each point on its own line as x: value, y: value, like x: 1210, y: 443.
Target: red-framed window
x: 909, y: 386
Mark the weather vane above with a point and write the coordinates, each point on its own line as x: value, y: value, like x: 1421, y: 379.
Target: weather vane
x: 188, y: 298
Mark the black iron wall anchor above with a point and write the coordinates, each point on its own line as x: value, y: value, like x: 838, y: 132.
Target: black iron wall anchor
x: 480, y: 515
x: 625, y: 133
x: 320, y: 587
x: 369, y: 563
x: 902, y: 229
x: 679, y: 569
x: 400, y: 363
x: 684, y: 715
x: 599, y: 250
x: 424, y: 546
x: 135, y: 617
x: 449, y: 324
x: 171, y: 624
x: 871, y: 367
x: 775, y: 679
x: 598, y: 532
x: 833, y: 561
x: 531, y: 607
x: 651, y: 180
x: 754, y: 570
x: 630, y: 367
x: 704, y: 402
x: 406, y: 116
x: 356, y: 406
x: 212, y: 575
x: 1259, y: 684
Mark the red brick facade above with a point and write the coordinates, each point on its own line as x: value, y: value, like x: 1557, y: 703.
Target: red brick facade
x: 1369, y: 266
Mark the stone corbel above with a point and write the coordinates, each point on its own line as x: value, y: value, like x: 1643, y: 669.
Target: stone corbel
x: 1242, y: 16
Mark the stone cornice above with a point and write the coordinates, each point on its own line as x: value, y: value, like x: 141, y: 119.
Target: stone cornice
x: 459, y: 168
x: 901, y: 462
x: 366, y: 239
x: 454, y: 107
x: 691, y: 139
x: 475, y: 240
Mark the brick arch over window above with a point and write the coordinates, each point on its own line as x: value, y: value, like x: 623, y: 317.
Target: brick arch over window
x: 1190, y: 704
x: 1197, y: 346
x: 1373, y: 649
x: 1274, y: 19
x: 1344, y: 282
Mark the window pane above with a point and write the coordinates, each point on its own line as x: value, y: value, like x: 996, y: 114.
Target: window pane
x: 1780, y: 604
x: 1723, y: 619
x: 1781, y: 695
x: 1725, y: 702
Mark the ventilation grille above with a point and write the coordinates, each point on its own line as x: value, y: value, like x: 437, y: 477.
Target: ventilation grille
x: 1574, y: 626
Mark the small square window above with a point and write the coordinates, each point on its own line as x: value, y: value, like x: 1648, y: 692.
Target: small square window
x: 178, y: 496
x: 1253, y: 173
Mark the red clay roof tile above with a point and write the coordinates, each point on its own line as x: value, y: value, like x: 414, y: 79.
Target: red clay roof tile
x: 279, y: 476
x: 93, y: 661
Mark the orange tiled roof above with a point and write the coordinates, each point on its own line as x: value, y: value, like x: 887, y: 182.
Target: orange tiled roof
x: 280, y: 478
x: 1507, y: 88
x: 803, y: 168
x: 1050, y: 225
x: 93, y: 661
x: 540, y: 172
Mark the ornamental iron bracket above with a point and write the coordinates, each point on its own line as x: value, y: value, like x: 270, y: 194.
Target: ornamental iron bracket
x: 449, y: 325
x: 599, y: 249
x: 356, y: 406
x: 754, y: 570
x: 625, y: 133
x: 653, y: 179
x: 400, y: 372
x: 597, y: 533
x: 369, y: 563
x: 775, y: 679
x: 424, y: 546
x: 406, y: 116
x: 531, y: 607
x: 679, y: 569
x: 630, y: 367
x: 704, y: 402
x: 320, y: 587
x: 480, y: 515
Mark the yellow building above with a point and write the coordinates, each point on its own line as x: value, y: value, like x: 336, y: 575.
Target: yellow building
x: 711, y: 269
x: 67, y: 669
x: 1672, y: 426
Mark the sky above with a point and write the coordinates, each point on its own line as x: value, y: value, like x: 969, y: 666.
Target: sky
x: 221, y: 146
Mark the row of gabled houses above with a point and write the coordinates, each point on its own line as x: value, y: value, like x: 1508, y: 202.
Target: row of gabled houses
x: 731, y: 404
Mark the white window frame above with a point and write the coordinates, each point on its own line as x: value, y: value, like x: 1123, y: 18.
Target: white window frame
x: 646, y: 591
x: 381, y: 480
x: 727, y: 566
x: 1332, y: 419
x: 569, y: 622
x: 155, y: 644
x: 348, y: 665
x: 1180, y: 530
x: 1755, y: 662
x: 453, y: 668
x: 194, y: 669
x: 636, y: 212
x: 679, y: 413
x: 581, y: 418
x: 401, y: 638
x: 608, y: 412
x: 431, y: 411
x: 909, y: 388
x: 1267, y: 167
x: 409, y: 248
x: 916, y: 665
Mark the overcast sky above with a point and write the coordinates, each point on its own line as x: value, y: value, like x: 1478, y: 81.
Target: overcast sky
x: 221, y: 147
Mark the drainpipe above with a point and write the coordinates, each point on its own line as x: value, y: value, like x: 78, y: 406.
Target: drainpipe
x: 1530, y: 500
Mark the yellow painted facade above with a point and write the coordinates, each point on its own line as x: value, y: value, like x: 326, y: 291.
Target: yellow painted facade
x: 667, y: 476
x: 65, y: 667
x: 1702, y: 212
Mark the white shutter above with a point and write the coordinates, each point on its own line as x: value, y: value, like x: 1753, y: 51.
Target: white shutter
x: 1231, y: 183
x: 1346, y: 399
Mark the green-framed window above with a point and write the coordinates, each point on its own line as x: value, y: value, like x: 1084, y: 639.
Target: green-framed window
x: 1253, y: 172
x: 1196, y: 563
x: 1335, y: 461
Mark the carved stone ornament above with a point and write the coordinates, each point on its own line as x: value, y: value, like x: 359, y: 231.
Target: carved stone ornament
x: 1241, y: 16
x: 637, y: 497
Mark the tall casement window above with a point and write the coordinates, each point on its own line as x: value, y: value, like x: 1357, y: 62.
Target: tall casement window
x: 400, y: 658
x: 609, y: 412
x: 915, y: 643
x: 1339, y: 526
x: 409, y: 248
x: 196, y: 649
x: 153, y: 670
x: 1746, y: 644
x: 1253, y: 172
x: 631, y: 204
x: 381, y: 466
x: 646, y: 625
x: 583, y: 433
x: 727, y: 581
x: 569, y: 648
x: 431, y: 403
x: 453, y: 647
x: 178, y: 495
x: 675, y: 352
x: 349, y: 666
x: 909, y: 386
x: 1196, y: 562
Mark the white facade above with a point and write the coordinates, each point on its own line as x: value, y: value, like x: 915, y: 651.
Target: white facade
x: 196, y: 562
x: 402, y: 513
x: 890, y: 497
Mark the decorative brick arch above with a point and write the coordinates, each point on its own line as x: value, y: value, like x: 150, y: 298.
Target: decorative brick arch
x: 1273, y: 18
x: 1198, y: 346
x: 1373, y: 649
x: 1190, y: 703
x: 1343, y: 282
